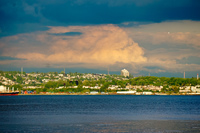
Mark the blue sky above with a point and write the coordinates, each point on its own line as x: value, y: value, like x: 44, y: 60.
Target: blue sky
x: 144, y: 36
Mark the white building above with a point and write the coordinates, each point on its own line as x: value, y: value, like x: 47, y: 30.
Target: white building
x: 126, y: 92
x: 184, y: 89
x: 147, y: 93
x: 2, y: 88
x: 94, y: 92
x: 60, y: 75
x: 196, y: 89
x: 125, y: 73
x: 60, y: 87
x: 45, y: 80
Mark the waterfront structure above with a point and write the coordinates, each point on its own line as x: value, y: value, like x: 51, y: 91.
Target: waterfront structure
x: 126, y: 92
x: 125, y: 73
x: 2, y: 88
x: 147, y: 93
x: 4, y: 92
x: 197, y: 76
x: 94, y: 92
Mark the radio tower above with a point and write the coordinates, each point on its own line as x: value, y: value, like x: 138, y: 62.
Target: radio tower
x: 21, y: 71
x: 108, y: 70
x: 184, y: 74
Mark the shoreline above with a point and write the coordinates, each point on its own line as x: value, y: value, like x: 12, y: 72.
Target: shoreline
x: 115, y: 94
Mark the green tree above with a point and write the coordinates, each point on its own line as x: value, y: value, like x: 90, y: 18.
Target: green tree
x: 104, y: 87
x: 19, y: 79
x: 86, y: 83
x: 51, y: 84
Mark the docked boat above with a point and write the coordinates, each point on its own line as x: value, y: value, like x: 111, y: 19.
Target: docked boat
x: 7, y: 92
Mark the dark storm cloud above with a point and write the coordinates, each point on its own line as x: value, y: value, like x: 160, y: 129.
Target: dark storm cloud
x: 18, y: 17
x: 67, y: 34
x: 98, y: 13
x: 10, y: 58
x: 83, y: 12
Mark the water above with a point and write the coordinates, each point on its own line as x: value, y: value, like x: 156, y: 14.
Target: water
x: 66, y: 113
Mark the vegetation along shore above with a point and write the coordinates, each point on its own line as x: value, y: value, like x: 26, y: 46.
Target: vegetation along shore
x: 54, y: 83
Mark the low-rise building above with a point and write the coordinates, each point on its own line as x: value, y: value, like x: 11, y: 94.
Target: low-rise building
x: 195, y: 89
x: 60, y: 75
x: 147, y: 93
x: 184, y: 89
x: 126, y: 92
x: 60, y: 87
x: 94, y: 92
x: 45, y: 80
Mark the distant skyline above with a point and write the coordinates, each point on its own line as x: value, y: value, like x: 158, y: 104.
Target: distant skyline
x: 143, y: 36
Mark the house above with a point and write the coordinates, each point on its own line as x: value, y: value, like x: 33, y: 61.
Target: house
x: 147, y: 93
x: 184, y: 89
x: 126, y: 92
x: 195, y: 89
x: 94, y: 92
x: 60, y: 75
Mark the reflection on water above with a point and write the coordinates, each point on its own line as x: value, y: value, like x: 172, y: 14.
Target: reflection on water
x: 100, y: 113
x: 140, y: 126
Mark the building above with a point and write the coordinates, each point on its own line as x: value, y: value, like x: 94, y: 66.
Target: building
x: 126, y: 92
x: 147, y: 93
x: 2, y: 88
x: 61, y: 75
x: 124, y: 73
x: 94, y: 92
x: 195, y: 89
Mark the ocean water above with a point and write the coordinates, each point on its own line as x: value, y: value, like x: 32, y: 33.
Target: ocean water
x: 99, y: 113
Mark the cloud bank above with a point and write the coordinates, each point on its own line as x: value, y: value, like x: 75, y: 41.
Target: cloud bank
x: 168, y: 45
x: 96, y: 46
x: 160, y: 48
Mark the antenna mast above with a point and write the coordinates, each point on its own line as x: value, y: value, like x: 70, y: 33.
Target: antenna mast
x: 108, y: 70
x: 21, y: 71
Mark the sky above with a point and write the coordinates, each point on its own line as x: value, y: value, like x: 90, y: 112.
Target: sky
x: 146, y: 37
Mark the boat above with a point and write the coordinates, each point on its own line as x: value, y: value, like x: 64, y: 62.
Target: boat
x: 9, y: 93
x: 6, y: 92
